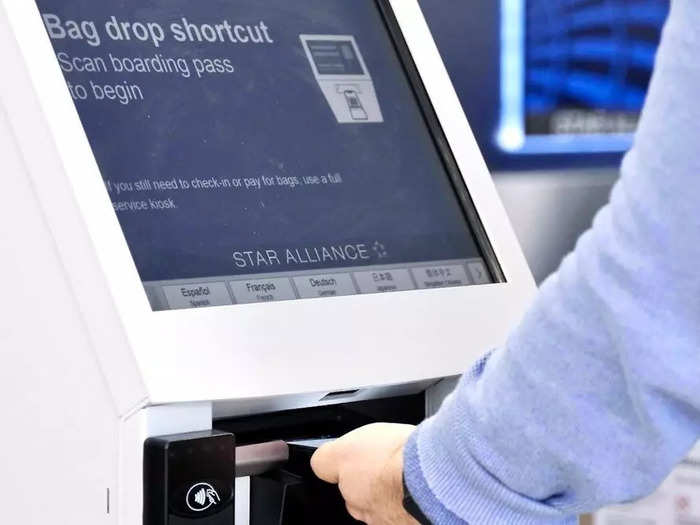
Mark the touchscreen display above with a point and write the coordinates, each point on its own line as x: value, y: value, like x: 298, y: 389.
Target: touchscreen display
x: 262, y: 150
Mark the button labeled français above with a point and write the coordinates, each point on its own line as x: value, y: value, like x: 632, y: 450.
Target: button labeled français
x: 380, y: 281
x: 330, y: 285
x: 262, y: 290
x: 478, y: 272
x: 197, y: 295
x: 442, y: 276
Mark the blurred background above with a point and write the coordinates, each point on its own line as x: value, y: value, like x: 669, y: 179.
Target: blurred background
x: 553, y: 91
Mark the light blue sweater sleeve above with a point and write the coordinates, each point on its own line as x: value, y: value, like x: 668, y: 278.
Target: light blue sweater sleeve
x: 596, y: 395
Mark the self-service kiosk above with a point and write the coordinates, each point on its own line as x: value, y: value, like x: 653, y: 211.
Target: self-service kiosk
x: 229, y: 228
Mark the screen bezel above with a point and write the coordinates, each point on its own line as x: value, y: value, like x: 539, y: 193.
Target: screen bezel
x: 237, y: 354
x: 432, y: 121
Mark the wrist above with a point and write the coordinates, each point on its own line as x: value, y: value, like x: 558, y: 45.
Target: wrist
x: 411, y: 507
x: 394, y: 479
x: 409, y: 504
x: 393, y: 490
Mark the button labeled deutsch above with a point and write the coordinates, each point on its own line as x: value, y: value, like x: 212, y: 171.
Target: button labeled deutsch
x: 330, y: 285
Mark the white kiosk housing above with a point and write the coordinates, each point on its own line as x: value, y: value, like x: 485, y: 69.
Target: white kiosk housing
x: 264, y: 254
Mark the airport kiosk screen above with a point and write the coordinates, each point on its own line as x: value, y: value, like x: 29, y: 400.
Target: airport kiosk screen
x: 262, y: 150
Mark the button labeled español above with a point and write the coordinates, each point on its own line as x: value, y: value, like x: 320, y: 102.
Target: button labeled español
x: 381, y: 281
x: 197, y: 295
x: 330, y: 285
x: 443, y: 276
x: 263, y: 290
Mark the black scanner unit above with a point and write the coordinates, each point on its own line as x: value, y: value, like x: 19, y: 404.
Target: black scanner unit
x: 293, y: 495
x: 190, y: 478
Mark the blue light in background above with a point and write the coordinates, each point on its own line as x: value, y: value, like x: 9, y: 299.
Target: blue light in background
x: 574, y: 73
x: 511, y: 133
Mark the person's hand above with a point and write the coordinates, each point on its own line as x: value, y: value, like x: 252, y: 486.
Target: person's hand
x: 367, y: 466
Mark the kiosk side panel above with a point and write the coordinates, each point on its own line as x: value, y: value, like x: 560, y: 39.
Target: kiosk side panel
x: 59, y: 436
x: 29, y: 97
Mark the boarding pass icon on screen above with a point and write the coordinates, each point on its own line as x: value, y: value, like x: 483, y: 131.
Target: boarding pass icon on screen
x: 343, y: 77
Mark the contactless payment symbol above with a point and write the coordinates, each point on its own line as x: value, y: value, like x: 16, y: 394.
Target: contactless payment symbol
x: 201, y: 497
x: 343, y: 77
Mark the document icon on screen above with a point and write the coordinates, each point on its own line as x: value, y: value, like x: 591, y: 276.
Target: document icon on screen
x: 343, y: 77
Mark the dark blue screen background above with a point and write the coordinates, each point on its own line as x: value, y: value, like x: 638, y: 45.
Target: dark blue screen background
x: 268, y: 118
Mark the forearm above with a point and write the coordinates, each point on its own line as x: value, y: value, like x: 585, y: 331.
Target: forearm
x: 595, y: 396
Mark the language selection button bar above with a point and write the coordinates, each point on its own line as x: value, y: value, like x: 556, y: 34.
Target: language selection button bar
x: 442, y: 276
x: 197, y: 295
x: 262, y: 290
x: 380, y: 281
x: 330, y: 285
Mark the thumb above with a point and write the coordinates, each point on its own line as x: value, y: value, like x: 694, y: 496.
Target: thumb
x: 326, y: 463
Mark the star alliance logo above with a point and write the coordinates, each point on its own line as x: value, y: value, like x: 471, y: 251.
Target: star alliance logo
x: 380, y: 250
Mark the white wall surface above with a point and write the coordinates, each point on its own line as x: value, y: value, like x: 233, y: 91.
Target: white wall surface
x: 550, y: 209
